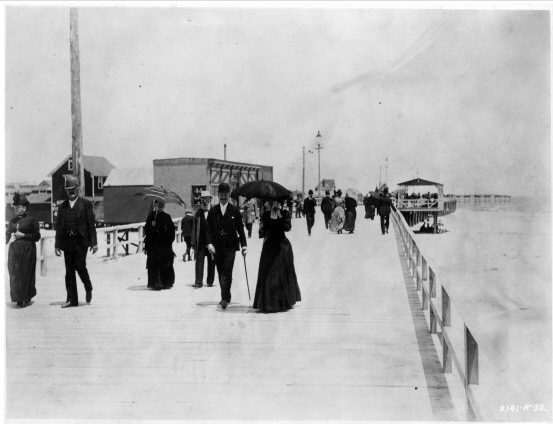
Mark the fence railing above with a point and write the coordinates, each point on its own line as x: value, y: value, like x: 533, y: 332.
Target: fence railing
x: 458, y: 343
x: 121, y: 240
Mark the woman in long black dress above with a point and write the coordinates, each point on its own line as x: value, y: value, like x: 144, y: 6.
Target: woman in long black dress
x: 277, y: 287
x: 22, y: 252
x: 159, y: 233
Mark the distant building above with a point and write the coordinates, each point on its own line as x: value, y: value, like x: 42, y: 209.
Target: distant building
x: 189, y: 176
x: 96, y: 170
x: 121, y: 206
x: 325, y: 185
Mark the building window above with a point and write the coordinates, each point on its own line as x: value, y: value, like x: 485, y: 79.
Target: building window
x: 100, y: 183
x: 196, y: 194
x: 70, y: 165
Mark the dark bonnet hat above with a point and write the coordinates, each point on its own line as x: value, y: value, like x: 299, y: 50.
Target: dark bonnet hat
x: 224, y: 188
x: 20, y: 200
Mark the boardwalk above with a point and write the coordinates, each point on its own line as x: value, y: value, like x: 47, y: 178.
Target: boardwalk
x: 355, y: 348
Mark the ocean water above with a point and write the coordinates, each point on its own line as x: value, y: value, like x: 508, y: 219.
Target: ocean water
x: 495, y: 261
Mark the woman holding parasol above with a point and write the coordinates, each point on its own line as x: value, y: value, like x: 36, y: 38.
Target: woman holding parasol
x: 277, y: 287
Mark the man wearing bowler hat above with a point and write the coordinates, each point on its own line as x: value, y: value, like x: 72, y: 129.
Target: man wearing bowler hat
x: 225, y: 235
x: 75, y: 233
x: 199, y: 243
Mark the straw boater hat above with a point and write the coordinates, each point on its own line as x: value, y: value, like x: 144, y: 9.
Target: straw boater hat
x: 206, y: 193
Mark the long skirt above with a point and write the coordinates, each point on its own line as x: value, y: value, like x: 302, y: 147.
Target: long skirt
x: 277, y: 287
x: 349, y: 225
x: 159, y: 262
x: 337, y: 221
x: 22, y: 267
x: 369, y: 212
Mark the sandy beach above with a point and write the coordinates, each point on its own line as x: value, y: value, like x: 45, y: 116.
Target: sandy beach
x: 495, y: 260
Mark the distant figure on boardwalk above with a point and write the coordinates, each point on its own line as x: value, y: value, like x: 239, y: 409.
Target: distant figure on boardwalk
x: 351, y: 213
x: 309, y: 211
x: 370, y: 202
x: 338, y: 216
x: 297, y: 204
x: 277, y: 287
x: 199, y: 243
x: 225, y: 235
x: 327, y: 206
x: 159, y: 233
x: 186, y: 233
x: 75, y: 233
x: 22, y: 252
x: 249, y: 215
x: 384, y: 209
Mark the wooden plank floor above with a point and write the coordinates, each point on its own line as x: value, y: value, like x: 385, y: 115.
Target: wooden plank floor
x: 355, y: 348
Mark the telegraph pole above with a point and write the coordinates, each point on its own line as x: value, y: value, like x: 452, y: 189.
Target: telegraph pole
x: 386, y: 180
x: 319, y: 148
x: 76, y: 133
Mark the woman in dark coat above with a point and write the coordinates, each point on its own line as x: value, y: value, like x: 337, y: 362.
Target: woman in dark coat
x: 22, y: 252
x: 277, y: 286
x: 159, y: 234
x: 351, y: 213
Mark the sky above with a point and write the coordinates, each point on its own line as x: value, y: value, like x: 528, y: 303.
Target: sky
x: 457, y: 96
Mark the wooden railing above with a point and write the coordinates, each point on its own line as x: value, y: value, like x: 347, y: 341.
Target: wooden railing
x: 458, y: 343
x: 116, y: 241
x: 415, y: 203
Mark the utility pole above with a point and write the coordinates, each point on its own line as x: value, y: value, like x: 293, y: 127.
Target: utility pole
x: 76, y: 126
x: 380, y: 178
x: 319, y: 148
x: 303, y: 176
x: 386, y: 180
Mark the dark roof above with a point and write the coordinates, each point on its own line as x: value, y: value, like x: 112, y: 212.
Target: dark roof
x: 96, y: 165
x: 419, y: 182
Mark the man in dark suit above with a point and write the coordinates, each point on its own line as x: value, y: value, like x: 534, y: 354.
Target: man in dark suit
x: 75, y: 233
x: 309, y: 211
x: 199, y: 243
x: 327, y: 206
x: 225, y: 235
x: 384, y: 209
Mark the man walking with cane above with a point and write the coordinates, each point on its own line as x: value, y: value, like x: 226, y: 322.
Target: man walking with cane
x: 225, y: 235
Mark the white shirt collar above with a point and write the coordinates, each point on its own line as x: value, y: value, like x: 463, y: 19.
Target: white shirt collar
x: 72, y: 202
x: 223, y: 208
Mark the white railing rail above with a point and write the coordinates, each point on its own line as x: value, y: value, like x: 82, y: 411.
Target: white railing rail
x: 121, y: 240
x: 458, y: 344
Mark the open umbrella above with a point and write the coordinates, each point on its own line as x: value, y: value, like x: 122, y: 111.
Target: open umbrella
x: 159, y: 193
x: 374, y: 193
x: 262, y: 190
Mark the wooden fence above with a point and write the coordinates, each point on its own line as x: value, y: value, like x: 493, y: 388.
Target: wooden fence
x: 458, y: 343
x: 116, y: 241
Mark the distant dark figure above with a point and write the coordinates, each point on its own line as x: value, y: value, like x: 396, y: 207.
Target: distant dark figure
x: 327, y: 206
x: 186, y: 233
x: 384, y: 209
x: 297, y: 204
x: 370, y: 202
x: 277, y: 287
x: 351, y: 214
x: 22, y: 252
x: 159, y: 233
x: 309, y: 211
x: 249, y: 215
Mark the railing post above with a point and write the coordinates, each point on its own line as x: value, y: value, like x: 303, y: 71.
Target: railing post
x: 140, y: 238
x: 471, y: 370
x: 108, y: 239
x: 115, y: 244
x: 43, y: 269
x: 424, y: 269
x: 446, y: 312
x: 432, y: 283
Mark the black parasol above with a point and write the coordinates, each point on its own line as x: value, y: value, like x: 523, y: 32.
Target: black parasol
x: 262, y: 190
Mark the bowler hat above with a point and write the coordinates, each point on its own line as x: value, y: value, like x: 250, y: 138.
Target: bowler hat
x: 205, y: 193
x: 310, y: 192
x: 71, y: 181
x: 19, y: 199
x: 224, y: 188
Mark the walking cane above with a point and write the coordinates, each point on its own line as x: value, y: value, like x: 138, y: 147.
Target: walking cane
x: 248, y: 284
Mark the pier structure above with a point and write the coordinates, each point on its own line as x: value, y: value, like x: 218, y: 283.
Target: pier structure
x: 416, y: 210
x: 476, y: 199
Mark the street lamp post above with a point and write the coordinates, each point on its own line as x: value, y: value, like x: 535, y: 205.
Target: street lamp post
x: 319, y: 148
x: 303, y: 175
